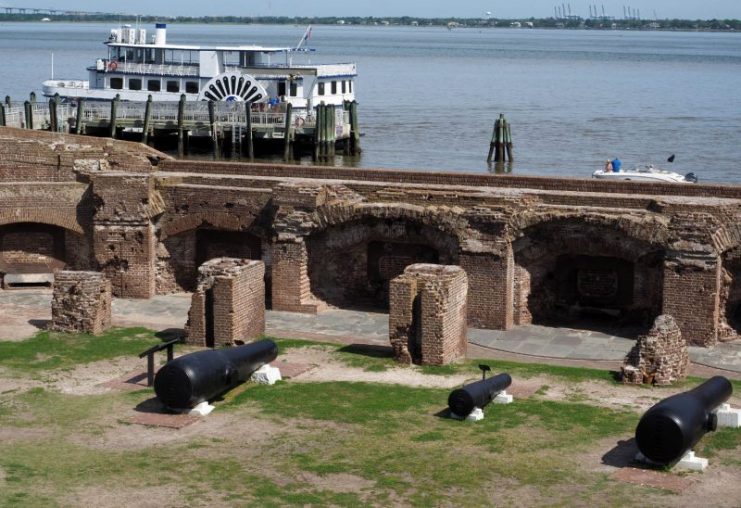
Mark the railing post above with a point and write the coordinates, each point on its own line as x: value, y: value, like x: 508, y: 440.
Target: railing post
x: 28, y: 110
x: 214, y: 134
x: 181, y: 120
x: 248, y: 126
x: 287, y: 137
x: 114, y: 112
x: 79, y: 126
x: 147, y: 119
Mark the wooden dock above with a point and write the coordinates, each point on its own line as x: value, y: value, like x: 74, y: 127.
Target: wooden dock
x: 228, y: 126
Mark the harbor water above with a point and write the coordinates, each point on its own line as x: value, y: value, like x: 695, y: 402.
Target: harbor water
x: 429, y: 96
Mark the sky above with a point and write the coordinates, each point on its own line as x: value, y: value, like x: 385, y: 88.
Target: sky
x: 688, y: 9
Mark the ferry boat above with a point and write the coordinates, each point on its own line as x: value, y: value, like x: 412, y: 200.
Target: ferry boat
x: 136, y: 68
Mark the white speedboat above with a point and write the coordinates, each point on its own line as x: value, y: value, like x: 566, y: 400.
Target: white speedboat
x: 137, y: 67
x: 647, y: 173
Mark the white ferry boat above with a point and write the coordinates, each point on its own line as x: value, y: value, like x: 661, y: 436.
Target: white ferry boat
x: 137, y: 67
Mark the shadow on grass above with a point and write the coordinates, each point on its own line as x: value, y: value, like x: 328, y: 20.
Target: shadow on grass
x: 622, y: 455
x: 368, y: 350
x: 152, y: 406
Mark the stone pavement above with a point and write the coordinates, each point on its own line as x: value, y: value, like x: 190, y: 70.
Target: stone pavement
x: 170, y: 311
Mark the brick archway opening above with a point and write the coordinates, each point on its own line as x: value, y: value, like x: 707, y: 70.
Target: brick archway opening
x: 30, y: 253
x: 730, y: 296
x: 351, y: 264
x: 586, y: 277
x: 180, y: 255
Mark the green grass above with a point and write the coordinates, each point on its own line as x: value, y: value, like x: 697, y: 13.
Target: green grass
x: 47, y: 351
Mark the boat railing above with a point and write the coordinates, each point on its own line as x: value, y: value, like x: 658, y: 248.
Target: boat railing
x: 96, y: 112
x: 151, y: 69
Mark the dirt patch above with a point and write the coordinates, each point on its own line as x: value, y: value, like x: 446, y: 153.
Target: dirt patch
x: 90, y: 379
x: 338, y: 482
x: 15, y: 434
x: 142, y: 497
x: 22, y: 321
x: 655, y: 479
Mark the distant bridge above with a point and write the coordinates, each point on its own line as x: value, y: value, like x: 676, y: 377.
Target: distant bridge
x: 51, y: 12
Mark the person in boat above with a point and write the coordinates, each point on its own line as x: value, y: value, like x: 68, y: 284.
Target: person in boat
x: 616, y: 164
x: 608, y: 166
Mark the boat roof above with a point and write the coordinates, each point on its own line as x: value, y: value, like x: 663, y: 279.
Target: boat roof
x: 185, y: 47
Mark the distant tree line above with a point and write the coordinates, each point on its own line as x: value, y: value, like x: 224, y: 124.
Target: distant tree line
x: 573, y: 22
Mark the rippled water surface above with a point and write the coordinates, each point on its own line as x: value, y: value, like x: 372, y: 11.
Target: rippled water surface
x: 429, y: 96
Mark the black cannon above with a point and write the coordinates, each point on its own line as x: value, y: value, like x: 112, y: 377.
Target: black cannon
x: 197, y: 377
x: 463, y: 400
x: 673, y: 426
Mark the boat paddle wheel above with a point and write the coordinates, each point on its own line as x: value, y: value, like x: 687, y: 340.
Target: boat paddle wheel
x: 233, y: 87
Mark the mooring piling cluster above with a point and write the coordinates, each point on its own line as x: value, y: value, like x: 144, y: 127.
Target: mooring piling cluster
x: 500, y: 148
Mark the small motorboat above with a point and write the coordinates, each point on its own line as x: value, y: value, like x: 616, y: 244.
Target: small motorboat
x: 647, y: 173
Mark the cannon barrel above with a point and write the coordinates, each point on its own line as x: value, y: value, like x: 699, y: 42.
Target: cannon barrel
x: 463, y: 400
x: 197, y: 377
x: 674, y: 425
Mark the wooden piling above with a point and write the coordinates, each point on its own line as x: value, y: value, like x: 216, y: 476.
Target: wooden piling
x: 147, y: 120
x: 181, y: 120
x: 508, y: 143
x: 79, y: 124
x: 354, y: 129
x: 27, y: 109
x: 248, y: 128
x: 331, y: 131
x: 53, y: 119
x: 288, y: 134
x: 114, y: 114
x: 2, y: 115
x: 500, y: 147
x: 214, y: 135
x: 32, y: 97
x: 7, y: 101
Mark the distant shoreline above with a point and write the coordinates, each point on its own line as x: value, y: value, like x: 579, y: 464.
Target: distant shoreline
x: 570, y: 23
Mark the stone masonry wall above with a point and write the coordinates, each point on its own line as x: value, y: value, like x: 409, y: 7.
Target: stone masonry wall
x: 427, y: 314
x: 229, y: 305
x: 81, y: 303
x: 659, y: 357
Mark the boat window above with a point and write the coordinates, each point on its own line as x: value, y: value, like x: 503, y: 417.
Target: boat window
x: 173, y: 86
x: 321, y: 88
x: 294, y: 89
x: 281, y: 88
x: 344, y: 86
x: 334, y: 87
x: 135, y: 84
x: 117, y: 83
x: 349, y: 84
x: 191, y: 87
x: 154, y: 85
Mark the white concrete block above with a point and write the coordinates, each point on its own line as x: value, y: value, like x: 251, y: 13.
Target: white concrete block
x: 692, y: 463
x: 201, y: 409
x: 728, y: 417
x: 266, y: 375
x: 475, y: 415
x: 503, y: 398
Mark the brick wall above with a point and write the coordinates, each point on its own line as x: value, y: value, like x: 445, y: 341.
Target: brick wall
x: 81, y: 303
x: 427, y: 314
x: 228, y: 306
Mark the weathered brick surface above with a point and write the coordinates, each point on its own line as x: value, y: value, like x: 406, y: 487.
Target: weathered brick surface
x: 659, y: 357
x: 427, y: 314
x: 228, y: 306
x: 534, y: 249
x: 81, y: 303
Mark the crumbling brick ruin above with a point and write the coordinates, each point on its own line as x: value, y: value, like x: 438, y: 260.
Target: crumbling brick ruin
x: 576, y: 252
x: 81, y: 303
x: 228, y: 307
x: 659, y: 357
x: 427, y: 314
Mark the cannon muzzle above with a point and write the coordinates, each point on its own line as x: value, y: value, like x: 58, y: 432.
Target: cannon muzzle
x: 197, y: 377
x: 674, y: 425
x: 463, y: 400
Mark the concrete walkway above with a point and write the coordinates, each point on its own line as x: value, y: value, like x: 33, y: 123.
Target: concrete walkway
x: 31, y: 309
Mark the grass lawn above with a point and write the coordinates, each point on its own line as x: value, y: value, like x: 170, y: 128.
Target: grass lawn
x: 318, y: 443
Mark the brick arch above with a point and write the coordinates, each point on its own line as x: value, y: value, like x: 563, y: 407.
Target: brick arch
x: 50, y: 218
x: 650, y: 229
x: 192, y: 221
x: 352, y: 257
x: 448, y: 220
x: 586, y: 270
